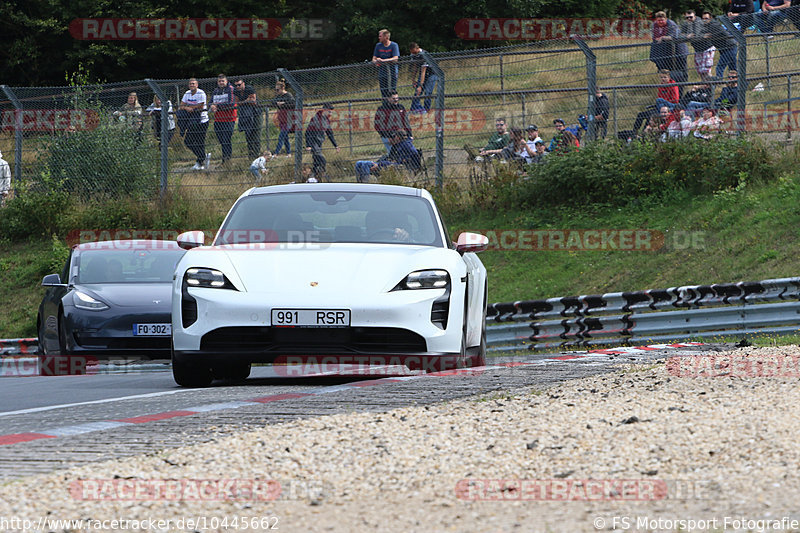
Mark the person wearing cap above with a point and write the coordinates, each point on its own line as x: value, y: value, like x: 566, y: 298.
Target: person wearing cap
x: 540, y: 152
x: 5, y: 180
x: 533, y: 136
x: 561, y: 127
x: 318, y: 127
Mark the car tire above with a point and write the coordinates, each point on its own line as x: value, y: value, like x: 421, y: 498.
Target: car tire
x: 41, y: 349
x: 479, y: 358
x: 190, y: 374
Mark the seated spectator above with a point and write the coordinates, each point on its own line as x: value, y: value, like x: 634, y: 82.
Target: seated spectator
x: 540, y: 152
x: 730, y: 93
x: 561, y: 129
x: 706, y: 126
x: 741, y: 13
x: 698, y: 98
x: 497, y: 141
x: 390, y: 118
x: 308, y: 174
x: 567, y: 142
x: 402, y: 153
x: 680, y: 125
x: 667, y: 95
x: 774, y: 11
x: 517, y: 149
x: 259, y: 165
x: 533, y: 135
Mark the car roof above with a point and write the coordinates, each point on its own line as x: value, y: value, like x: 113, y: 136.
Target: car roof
x: 130, y: 244
x: 343, y: 187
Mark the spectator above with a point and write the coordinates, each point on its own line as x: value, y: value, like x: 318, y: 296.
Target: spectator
x: 694, y: 30
x: 741, y: 12
x: 666, y: 95
x: 318, y: 127
x: 131, y: 114
x: 307, y: 173
x: 385, y: 57
x: 533, y: 136
x: 391, y: 118
x: 284, y: 104
x: 498, y: 140
x: 5, y: 180
x: 667, y: 51
x: 558, y: 139
x: 517, y: 149
x: 193, y: 104
x: 723, y: 41
x: 706, y: 126
x: 698, y: 98
x: 730, y: 93
x: 600, y: 112
x: 154, y: 110
x: 424, y: 80
x: 540, y: 152
x: 259, y: 165
x: 403, y: 153
x: 680, y: 125
x: 224, y: 110
x: 249, y: 116
x: 774, y: 11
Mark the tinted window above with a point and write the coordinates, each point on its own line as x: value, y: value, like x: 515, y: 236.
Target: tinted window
x: 128, y: 266
x: 330, y: 217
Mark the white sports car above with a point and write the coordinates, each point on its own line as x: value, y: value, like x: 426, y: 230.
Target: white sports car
x: 359, y: 273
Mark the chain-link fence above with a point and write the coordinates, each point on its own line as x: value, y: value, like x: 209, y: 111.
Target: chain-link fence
x: 151, y: 138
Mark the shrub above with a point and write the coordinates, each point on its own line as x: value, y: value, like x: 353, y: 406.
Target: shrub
x: 36, y: 209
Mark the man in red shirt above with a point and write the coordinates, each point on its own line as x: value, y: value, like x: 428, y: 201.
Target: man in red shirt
x: 223, y: 106
x: 667, y: 95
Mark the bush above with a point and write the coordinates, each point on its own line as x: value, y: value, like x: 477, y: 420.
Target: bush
x: 35, y: 210
x: 615, y: 173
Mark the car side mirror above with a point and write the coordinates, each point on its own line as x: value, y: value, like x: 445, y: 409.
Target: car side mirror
x: 191, y: 239
x: 52, y: 280
x: 471, y: 242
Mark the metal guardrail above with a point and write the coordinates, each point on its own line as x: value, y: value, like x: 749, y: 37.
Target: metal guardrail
x: 624, y: 318
x: 630, y: 318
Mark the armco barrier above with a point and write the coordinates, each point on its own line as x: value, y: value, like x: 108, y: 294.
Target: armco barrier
x: 678, y: 313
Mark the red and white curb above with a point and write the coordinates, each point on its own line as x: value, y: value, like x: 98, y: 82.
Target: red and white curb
x: 91, y: 427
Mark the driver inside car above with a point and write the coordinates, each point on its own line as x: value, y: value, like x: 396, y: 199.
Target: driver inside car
x: 388, y: 226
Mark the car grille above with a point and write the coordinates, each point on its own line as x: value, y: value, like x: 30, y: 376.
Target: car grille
x: 123, y: 343
x: 313, y: 340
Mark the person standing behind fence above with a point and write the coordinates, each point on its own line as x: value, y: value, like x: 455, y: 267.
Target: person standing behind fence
x: 5, y: 180
x: 694, y: 31
x: 723, y: 41
x: 284, y: 104
x: 318, y: 127
x: 741, y: 12
x: 249, y: 116
x: 600, y: 110
x: 666, y: 50
x: 385, y: 56
x: 224, y: 110
x: 154, y: 110
x: 131, y: 114
x: 193, y: 104
x: 423, y: 79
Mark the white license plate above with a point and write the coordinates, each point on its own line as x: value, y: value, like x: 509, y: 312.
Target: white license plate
x: 327, y: 318
x: 153, y: 330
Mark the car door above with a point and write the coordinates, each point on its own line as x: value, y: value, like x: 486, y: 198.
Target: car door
x: 51, y: 303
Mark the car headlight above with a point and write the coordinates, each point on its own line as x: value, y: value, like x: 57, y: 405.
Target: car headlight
x: 425, y: 279
x: 207, y: 277
x: 84, y: 301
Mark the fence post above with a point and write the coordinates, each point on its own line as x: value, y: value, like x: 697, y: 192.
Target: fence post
x: 502, y: 82
x: 164, y: 133
x: 297, y: 120
x: 439, y: 117
x: 741, y: 70
x: 17, y: 132
x: 591, y: 84
x: 524, y: 114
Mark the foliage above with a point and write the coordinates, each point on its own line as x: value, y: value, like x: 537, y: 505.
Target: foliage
x: 614, y: 173
x: 36, y: 209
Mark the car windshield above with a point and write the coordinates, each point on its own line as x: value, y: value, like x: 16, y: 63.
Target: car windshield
x: 332, y: 217
x: 128, y: 266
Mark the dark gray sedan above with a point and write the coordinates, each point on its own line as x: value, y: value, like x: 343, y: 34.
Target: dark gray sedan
x: 111, y: 299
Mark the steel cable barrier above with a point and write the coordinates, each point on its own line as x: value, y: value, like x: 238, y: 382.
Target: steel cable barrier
x: 657, y: 315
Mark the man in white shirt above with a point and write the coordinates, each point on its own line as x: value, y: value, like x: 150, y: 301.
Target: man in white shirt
x: 533, y: 136
x: 193, y: 104
x: 5, y: 180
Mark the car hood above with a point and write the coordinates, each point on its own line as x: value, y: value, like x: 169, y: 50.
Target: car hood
x: 132, y: 294
x: 341, y: 267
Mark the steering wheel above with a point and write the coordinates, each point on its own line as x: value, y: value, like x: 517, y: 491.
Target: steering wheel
x: 381, y: 233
